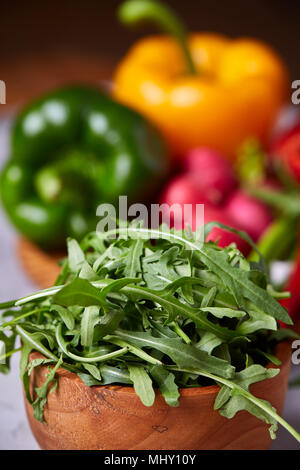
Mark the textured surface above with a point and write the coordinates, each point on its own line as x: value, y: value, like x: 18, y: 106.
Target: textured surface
x: 14, y: 429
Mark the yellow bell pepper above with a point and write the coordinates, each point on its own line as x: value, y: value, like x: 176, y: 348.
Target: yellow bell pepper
x: 200, y: 89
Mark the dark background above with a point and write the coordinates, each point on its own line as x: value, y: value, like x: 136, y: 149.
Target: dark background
x: 45, y: 43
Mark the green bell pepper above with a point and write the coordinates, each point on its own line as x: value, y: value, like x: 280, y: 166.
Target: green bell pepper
x: 72, y: 150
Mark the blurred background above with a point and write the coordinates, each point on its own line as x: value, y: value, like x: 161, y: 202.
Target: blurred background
x: 49, y: 43
x: 43, y: 44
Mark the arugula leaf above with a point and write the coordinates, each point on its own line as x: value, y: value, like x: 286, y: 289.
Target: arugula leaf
x: 231, y: 401
x: 93, y: 370
x: 87, y: 272
x: 258, y: 320
x: 112, y: 375
x: 43, y: 391
x: 238, y: 282
x: 75, y: 256
x: 209, y: 298
x: 184, y: 355
x: 210, y: 226
x: 89, y: 320
x: 64, y: 347
x: 8, y: 343
x: 79, y: 292
x: 133, y: 259
x: 166, y: 383
x: 88, y: 379
x: 208, y: 342
x: 37, y: 363
x: 265, y: 411
x: 136, y: 351
x: 108, y: 323
x: 150, y: 305
x: 223, y: 312
x: 33, y: 340
x: 116, y: 285
x: 142, y: 384
x: 65, y: 315
x: 172, y: 305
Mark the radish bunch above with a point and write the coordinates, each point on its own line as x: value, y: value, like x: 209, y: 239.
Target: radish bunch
x: 209, y: 179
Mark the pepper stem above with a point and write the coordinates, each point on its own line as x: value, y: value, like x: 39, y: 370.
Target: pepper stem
x: 133, y: 12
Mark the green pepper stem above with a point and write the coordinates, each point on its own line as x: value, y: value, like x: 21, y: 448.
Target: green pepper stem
x: 133, y: 12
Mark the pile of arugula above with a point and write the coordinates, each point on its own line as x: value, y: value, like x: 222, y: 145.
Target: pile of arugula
x: 153, y: 309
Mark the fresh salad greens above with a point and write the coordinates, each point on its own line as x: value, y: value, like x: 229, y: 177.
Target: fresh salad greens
x: 153, y: 309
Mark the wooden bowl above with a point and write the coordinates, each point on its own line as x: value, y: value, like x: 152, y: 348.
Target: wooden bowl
x: 41, y: 266
x: 113, y: 418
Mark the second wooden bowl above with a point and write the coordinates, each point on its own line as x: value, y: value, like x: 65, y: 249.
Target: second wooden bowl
x: 42, y: 267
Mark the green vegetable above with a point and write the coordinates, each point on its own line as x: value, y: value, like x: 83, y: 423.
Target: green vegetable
x: 72, y: 150
x: 43, y: 391
x: 142, y: 384
x: 154, y: 310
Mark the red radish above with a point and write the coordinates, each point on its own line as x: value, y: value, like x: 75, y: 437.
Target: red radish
x: 222, y: 236
x: 212, y: 172
x: 182, y: 190
x: 292, y: 304
x: 249, y: 213
x: 287, y: 149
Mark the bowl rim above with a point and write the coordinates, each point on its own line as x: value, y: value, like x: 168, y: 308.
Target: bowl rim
x: 283, y: 352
